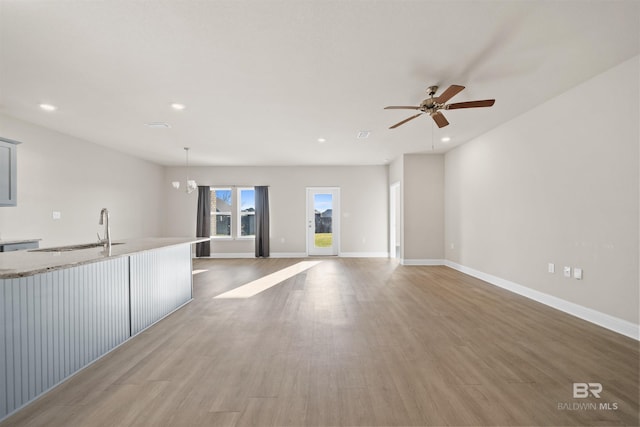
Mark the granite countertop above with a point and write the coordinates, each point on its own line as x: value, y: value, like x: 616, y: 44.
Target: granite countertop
x: 26, y: 263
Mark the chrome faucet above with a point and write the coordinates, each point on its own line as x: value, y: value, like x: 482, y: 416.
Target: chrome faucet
x: 104, y: 219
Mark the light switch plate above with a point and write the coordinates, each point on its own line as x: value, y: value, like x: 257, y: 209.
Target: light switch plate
x: 567, y: 272
x: 577, y: 273
x: 551, y: 268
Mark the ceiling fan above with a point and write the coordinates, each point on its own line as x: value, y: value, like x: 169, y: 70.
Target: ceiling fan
x: 432, y: 105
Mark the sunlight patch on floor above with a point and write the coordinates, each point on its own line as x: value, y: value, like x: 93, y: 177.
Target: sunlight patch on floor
x: 266, y: 282
x: 194, y: 272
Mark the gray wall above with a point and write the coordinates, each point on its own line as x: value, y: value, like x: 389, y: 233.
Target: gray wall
x: 558, y: 184
x: 423, y: 210
x: 57, y: 172
x: 363, y: 193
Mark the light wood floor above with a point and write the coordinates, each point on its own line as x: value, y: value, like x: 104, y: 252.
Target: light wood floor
x: 352, y: 342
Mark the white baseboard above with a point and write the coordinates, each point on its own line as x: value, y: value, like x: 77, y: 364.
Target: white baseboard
x: 422, y: 261
x: 364, y: 254
x: 300, y: 255
x: 612, y: 323
x: 222, y: 255
x: 245, y: 255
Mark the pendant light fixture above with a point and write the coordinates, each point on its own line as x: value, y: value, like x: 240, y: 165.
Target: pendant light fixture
x: 191, y: 184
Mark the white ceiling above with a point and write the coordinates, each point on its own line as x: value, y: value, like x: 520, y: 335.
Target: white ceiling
x: 263, y: 80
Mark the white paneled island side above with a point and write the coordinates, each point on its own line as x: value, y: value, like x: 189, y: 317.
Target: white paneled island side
x: 61, y: 310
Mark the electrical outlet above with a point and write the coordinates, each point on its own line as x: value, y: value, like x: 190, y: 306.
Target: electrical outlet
x: 56, y: 215
x: 567, y: 272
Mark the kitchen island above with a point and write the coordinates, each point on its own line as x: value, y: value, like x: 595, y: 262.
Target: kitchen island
x: 63, y: 309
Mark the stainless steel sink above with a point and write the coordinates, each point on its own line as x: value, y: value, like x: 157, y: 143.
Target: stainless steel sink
x: 73, y: 247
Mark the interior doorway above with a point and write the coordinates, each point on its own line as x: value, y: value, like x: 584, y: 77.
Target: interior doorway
x: 395, y: 221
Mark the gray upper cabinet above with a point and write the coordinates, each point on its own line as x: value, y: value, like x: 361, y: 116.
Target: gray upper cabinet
x: 8, y: 167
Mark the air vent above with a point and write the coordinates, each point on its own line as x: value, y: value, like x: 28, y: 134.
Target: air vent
x: 363, y: 134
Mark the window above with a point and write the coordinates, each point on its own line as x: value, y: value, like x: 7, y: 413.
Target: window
x: 247, y: 219
x: 221, y: 208
x: 233, y: 212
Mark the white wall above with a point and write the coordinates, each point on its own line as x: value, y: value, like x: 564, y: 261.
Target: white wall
x: 558, y: 184
x: 57, y: 172
x: 396, y: 170
x: 363, y: 194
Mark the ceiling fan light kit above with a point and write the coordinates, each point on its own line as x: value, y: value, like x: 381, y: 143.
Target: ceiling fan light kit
x: 433, y: 105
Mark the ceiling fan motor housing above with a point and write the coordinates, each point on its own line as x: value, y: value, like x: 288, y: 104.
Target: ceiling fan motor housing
x: 430, y: 106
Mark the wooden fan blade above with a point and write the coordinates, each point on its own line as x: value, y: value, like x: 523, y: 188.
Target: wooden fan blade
x: 471, y: 104
x: 440, y: 119
x: 405, y: 121
x: 401, y: 107
x: 451, y: 91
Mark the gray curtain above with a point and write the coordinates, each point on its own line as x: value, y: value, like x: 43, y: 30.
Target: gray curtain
x: 262, y: 221
x: 203, y: 221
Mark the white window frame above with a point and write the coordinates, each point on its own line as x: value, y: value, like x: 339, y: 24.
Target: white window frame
x: 230, y: 213
x: 235, y: 214
x: 240, y: 214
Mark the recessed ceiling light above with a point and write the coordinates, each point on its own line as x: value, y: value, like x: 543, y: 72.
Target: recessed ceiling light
x: 158, y: 125
x: 48, y: 107
x: 322, y: 140
x: 177, y: 106
x: 445, y: 139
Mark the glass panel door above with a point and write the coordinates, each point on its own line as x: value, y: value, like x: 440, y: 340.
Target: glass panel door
x: 323, y: 209
x: 322, y: 221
